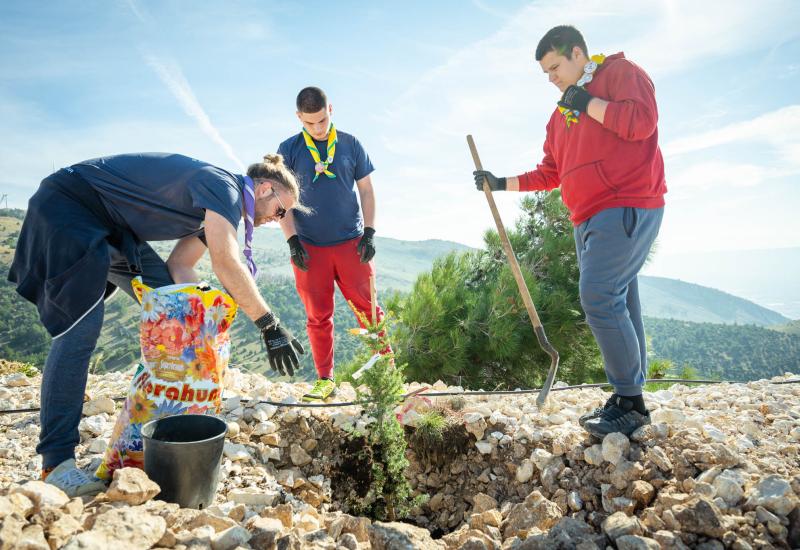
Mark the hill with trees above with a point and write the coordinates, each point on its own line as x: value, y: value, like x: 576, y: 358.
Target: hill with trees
x: 460, y: 317
x: 726, y: 352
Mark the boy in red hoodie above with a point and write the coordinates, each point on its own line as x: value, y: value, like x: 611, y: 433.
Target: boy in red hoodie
x: 602, y: 150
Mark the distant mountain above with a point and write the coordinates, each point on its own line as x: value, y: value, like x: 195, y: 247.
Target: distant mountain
x: 768, y: 277
x: 722, y: 349
x: 673, y: 299
x: 397, y: 263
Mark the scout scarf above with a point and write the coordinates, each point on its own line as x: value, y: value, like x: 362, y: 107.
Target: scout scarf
x: 571, y: 116
x: 320, y: 166
x: 249, y: 213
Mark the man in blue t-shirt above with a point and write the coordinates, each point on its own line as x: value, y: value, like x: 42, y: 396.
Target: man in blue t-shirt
x: 85, y: 234
x: 335, y: 242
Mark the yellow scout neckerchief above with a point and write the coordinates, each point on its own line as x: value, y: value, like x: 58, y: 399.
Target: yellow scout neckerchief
x: 596, y: 60
x: 320, y: 166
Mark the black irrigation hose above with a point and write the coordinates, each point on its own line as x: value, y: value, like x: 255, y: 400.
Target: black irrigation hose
x: 423, y: 393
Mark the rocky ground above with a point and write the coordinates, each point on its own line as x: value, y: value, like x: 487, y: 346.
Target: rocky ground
x: 718, y: 468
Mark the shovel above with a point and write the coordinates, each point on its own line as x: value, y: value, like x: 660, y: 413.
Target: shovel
x: 538, y: 329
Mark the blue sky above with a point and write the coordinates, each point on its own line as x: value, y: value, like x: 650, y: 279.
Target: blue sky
x: 217, y: 81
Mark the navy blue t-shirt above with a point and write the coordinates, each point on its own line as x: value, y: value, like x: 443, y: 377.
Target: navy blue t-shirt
x: 163, y: 196
x: 336, y: 217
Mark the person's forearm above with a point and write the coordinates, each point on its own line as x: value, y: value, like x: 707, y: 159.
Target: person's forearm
x: 240, y: 285
x: 287, y: 225
x: 597, y: 109
x: 368, y: 207
x: 512, y: 183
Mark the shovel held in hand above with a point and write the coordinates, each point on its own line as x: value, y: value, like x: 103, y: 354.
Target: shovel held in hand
x: 538, y: 329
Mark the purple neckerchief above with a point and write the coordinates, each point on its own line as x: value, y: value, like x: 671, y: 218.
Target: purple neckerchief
x: 249, y: 195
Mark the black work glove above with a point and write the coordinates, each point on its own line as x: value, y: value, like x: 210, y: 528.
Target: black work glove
x: 495, y: 183
x: 282, y: 346
x: 575, y: 98
x: 298, y: 253
x: 366, y: 246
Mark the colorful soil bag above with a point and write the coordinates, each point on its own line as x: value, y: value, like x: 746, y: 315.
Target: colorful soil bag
x: 185, y: 350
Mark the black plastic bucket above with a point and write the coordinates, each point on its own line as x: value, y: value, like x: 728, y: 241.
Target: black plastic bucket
x: 182, y: 454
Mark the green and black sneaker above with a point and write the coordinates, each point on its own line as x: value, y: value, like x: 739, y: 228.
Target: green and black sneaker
x: 323, y: 389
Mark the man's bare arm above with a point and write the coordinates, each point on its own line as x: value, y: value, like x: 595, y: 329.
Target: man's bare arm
x: 367, y: 195
x: 232, y: 273
x: 287, y: 224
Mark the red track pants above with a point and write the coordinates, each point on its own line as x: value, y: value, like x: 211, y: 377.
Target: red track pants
x: 326, y: 264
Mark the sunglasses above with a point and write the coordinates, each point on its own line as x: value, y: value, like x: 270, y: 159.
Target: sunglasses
x: 281, y: 211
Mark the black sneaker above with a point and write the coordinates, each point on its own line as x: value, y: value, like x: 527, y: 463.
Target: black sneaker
x: 619, y: 416
x: 597, y: 412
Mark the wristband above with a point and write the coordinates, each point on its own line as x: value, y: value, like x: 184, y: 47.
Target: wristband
x: 267, y: 321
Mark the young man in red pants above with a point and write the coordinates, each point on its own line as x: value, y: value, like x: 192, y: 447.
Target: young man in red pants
x: 335, y: 242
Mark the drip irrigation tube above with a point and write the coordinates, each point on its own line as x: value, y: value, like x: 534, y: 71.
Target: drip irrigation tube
x: 470, y: 393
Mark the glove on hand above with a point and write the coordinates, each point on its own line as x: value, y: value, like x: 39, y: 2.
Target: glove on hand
x: 298, y: 253
x: 282, y: 346
x: 575, y: 98
x: 495, y: 183
x: 366, y: 246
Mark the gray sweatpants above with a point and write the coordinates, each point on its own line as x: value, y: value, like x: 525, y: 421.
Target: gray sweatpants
x: 612, y: 247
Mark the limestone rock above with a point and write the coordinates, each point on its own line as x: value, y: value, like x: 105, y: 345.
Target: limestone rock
x: 701, y: 516
x: 264, y: 531
x: 299, y: 456
x: 283, y: 513
x: 121, y: 529
x: 525, y: 471
x: 230, y: 538
x: 32, y: 538
x: 475, y: 424
x: 536, y: 512
x: 98, y: 405
x: 482, y: 502
x: 773, y: 493
x: 42, y: 495
x: 634, y: 542
x: 60, y: 531
x: 132, y: 486
x: 568, y: 533
x: 615, y: 447
x: 16, y: 380
x: 593, y: 455
x: 11, y: 531
x: 618, y: 524
x: 401, y: 536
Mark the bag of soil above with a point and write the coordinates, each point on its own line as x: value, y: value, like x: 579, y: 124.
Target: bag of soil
x: 185, y: 341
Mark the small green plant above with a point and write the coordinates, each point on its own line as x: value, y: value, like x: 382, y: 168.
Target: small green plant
x: 658, y: 368
x: 430, y: 428
x: 380, y: 390
x: 9, y: 367
x: 664, y: 368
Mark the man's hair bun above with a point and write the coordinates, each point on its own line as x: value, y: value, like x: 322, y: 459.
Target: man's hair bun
x: 273, y: 158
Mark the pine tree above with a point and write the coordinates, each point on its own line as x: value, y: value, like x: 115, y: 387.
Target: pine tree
x: 465, y: 321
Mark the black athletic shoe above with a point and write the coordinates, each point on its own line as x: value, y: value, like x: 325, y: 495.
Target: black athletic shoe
x: 619, y: 416
x: 595, y: 413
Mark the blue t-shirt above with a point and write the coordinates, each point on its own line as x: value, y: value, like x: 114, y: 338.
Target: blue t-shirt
x: 163, y: 196
x: 336, y: 215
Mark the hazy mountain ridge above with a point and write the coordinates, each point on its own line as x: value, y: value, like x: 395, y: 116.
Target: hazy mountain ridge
x: 688, y: 323
x: 674, y: 299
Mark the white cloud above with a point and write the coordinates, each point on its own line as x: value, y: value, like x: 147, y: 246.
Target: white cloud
x: 171, y: 75
x: 141, y: 14
x: 777, y: 128
x: 495, y: 90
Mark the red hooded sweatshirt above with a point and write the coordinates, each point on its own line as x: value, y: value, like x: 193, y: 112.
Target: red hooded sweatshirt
x: 614, y: 164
